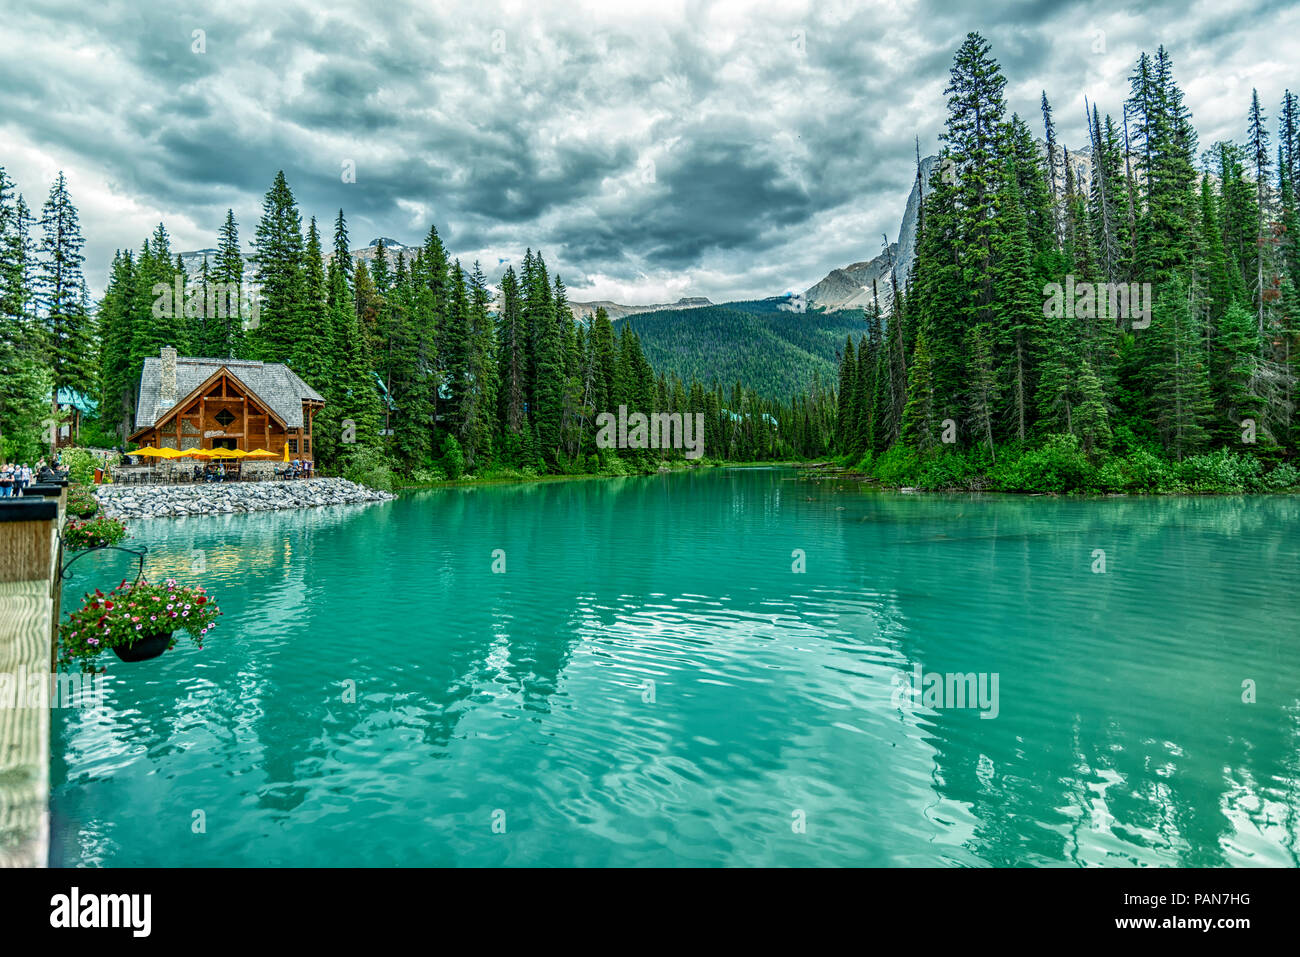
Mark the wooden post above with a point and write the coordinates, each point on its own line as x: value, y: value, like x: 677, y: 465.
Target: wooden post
x: 29, y: 616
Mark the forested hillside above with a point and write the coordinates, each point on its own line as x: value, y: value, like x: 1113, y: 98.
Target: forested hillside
x: 774, y: 351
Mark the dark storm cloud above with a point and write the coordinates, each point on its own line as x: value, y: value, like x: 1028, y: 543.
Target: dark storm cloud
x: 687, y: 149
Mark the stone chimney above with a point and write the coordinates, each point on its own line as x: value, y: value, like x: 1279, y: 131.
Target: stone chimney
x: 167, y: 387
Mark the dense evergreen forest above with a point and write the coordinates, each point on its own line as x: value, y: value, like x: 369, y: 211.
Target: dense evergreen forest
x: 983, y: 378
x: 421, y: 369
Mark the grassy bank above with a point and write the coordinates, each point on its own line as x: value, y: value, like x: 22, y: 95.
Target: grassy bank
x: 613, y: 468
x: 1060, y: 465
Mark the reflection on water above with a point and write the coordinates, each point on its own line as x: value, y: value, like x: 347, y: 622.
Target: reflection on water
x: 650, y: 682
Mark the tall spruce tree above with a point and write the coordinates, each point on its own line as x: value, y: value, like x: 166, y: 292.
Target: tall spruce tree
x: 280, y: 263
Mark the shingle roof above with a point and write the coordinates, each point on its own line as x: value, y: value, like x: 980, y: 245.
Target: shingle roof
x: 275, y: 384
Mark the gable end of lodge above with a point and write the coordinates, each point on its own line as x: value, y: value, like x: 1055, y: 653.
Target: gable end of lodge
x: 196, y: 403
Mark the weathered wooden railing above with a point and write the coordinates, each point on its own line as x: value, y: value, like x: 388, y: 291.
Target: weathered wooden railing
x: 30, y: 554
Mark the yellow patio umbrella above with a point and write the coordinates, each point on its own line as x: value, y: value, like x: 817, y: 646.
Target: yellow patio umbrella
x: 150, y: 452
x: 259, y: 454
x: 226, y: 453
x: 286, y: 452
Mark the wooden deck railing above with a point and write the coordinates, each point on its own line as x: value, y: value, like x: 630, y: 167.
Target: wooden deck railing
x: 29, y: 616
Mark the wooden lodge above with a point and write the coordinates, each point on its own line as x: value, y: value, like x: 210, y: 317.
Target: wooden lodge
x: 191, y: 403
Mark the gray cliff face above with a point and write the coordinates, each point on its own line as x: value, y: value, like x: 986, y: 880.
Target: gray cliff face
x: 852, y: 286
x: 907, y: 229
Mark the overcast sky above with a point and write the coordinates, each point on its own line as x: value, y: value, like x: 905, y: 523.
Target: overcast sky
x: 728, y: 150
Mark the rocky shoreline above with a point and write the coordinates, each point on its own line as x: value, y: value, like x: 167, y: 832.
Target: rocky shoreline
x: 218, y: 498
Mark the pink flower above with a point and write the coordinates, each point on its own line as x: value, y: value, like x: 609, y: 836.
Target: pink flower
x: 138, y: 627
x: 92, y: 641
x: 153, y: 617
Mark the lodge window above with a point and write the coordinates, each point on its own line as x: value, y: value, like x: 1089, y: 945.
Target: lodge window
x: 224, y: 418
x: 293, y: 446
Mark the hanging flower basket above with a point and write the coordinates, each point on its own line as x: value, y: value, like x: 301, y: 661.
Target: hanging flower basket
x: 145, y: 648
x: 81, y: 501
x: 138, y: 620
x: 95, y: 533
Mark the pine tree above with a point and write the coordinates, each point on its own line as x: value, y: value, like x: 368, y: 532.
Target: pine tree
x: 862, y: 398
x: 845, y: 419
x: 1257, y: 138
x: 919, y: 418
x: 280, y: 262
x: 1237, y: 350
x: 311, y: 354
x: 1013, y: 329
x: 511, y: 348
x: 983, y: 391
x: 351, y: 417
x: 547, y: 407
x: 24, y: 398
x: 117, y: 312
x: 481, y: 394
x: 1177, y: 386
x: 1092, y: 418
x: 227, y: 339
x: 59, y: 281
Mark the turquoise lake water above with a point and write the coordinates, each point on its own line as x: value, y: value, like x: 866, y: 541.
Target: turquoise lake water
x: 651, y: 682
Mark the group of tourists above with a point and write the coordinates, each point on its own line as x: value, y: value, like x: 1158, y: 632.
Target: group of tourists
x: 16, y: 476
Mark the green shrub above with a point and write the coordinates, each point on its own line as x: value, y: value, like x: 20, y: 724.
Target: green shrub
x: 453, y: 458
x: 617, y: 466
x: 1284, y: 476
x: 898, y: 465
x: 370, y: 467
x: 1058, y: 465
x: 1223, y: 471
x: 1140, y: 470
x: 80, y: 464
x: 950, y: 471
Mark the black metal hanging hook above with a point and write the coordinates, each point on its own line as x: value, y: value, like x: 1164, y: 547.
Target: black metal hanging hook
x: 137, y: 552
